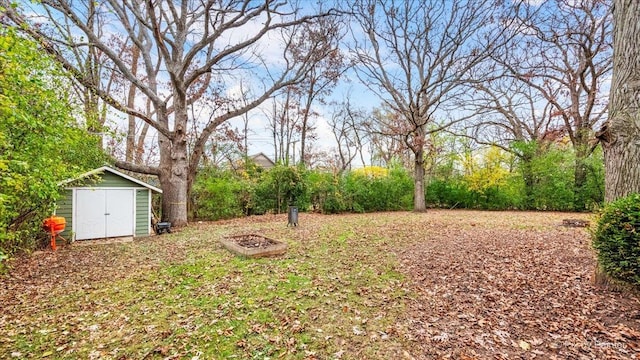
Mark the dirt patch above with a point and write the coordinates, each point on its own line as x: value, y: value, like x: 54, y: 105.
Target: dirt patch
x: 118, y: 240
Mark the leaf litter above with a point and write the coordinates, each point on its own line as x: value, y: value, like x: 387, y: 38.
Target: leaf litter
x: 443, y: 284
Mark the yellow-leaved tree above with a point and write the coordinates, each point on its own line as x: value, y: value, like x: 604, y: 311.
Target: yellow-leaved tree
x: 373, y: 172
x: 487, y: 169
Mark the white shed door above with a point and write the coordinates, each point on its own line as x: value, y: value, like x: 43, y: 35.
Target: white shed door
x: 103, y: 213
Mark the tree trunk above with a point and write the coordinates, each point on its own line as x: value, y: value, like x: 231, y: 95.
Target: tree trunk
x: 419, y: 204
x: 621, y: 134
x: 305, y: 121
x: 174, y: 168
x: 529, y: 180
x: 139, y: 152
x: 580, y: 178
x: 622, y: 170
x: 581, y: 150
x: 174, y: 196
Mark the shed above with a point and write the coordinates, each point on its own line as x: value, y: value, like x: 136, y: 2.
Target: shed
x: 105, y: 203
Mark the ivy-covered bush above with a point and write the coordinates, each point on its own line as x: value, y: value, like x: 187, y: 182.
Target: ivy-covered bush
x: 617, y: 239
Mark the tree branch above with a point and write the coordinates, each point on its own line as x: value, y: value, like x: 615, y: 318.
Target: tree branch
x: 138, y: 168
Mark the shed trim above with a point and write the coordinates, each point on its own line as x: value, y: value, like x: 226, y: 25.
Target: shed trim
x: 102, y: 169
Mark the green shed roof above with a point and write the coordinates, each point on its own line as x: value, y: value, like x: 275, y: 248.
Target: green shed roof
x: 103, y: 169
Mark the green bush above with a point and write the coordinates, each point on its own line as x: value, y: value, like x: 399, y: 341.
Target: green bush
x: 455, y: 193
x: 41, y: 143
x: 324, y: 191
x: 617, y: 239
x: 594, y: 187
x: 497, y: 181
x: 548, y: 178
x: 553, y: 180
x: 448, y: 193
x: 400, y: 189
x: 367, y: 193
x: 218, y: 194
x: 279, y: 187
x: 507, y: 197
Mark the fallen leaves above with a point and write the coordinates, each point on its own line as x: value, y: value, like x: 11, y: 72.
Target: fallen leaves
x: 514, y: 284
x: 358, y: 331
x: 389, y: 285
x: 443, y: 337
x: 524, y: 345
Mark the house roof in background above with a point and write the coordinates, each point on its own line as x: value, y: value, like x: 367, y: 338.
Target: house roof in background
x: 262, y: 160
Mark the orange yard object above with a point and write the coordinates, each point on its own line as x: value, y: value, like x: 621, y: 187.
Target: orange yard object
x: 54, y: 225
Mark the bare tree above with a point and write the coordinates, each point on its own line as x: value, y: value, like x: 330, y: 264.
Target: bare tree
x: 224, y: 147
x: 187, y: 41
x: 387, y: 142
x: 244, y: 97
x: 415, y: 55
x: 323, y: 76
x: 509, y: 111
x: 620, y: 135
x: 347, y: 126
x: 563, y: 52
x: 136, y: 130
x: 94, y: 65
x: 285, y: 126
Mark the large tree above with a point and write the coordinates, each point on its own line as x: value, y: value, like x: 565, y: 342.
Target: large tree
x: 620, y: 135
x: 322, y: 77
x: 182, y: 45
x: 415, y: 55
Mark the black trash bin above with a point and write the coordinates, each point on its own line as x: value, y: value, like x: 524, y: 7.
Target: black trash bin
x: 293, y: 216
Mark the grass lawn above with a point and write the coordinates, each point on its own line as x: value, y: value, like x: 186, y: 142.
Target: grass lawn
x: 457, y: 284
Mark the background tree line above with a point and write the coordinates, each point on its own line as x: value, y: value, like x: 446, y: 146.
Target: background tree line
x: 461, y: 175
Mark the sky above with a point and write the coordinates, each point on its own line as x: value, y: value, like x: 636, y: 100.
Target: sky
x: 270, y: 48
x: 259, y: 136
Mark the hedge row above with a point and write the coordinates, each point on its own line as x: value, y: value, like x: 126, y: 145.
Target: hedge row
x: 220, y: 194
